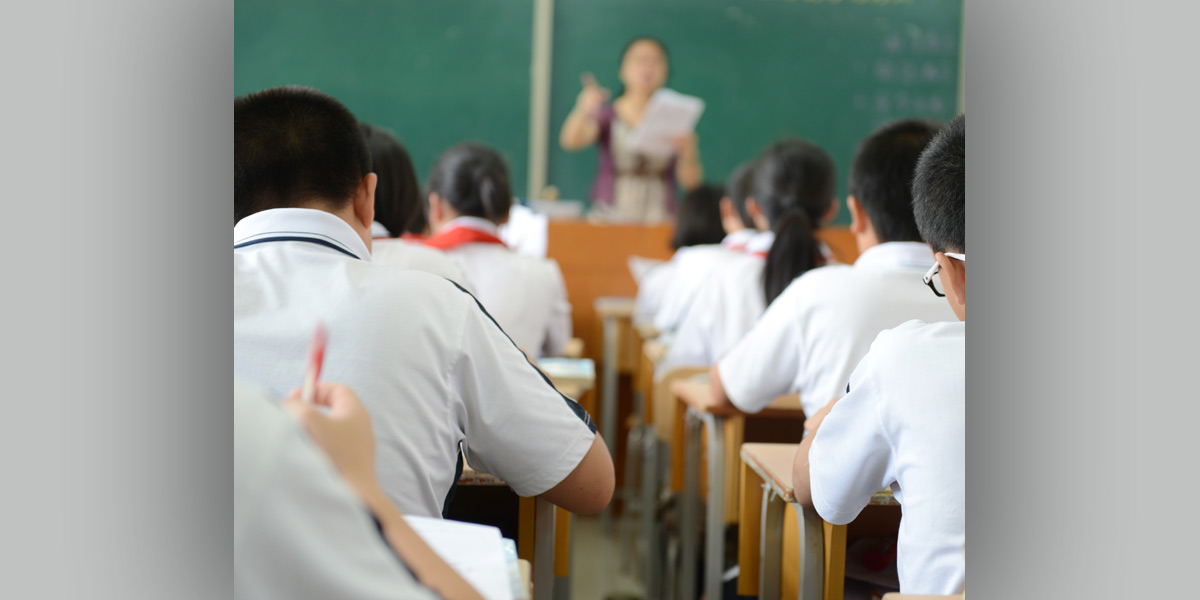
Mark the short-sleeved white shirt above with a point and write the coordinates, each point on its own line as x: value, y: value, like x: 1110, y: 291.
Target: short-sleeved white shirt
x: 429, y: 363
x: 691, y: 268
x: 903, y: 425
x: 725, y: 308
x: 526, y: 294
x: 404, y: 254
x: 298, y: 531
x: 812, y: 336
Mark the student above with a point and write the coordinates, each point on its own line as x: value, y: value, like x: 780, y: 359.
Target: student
x: 397, y: 202
x: 816, y: 331
x: 693, y: 268
x: 469, y: 196
x: 792, y: 189
x: 698, y: 229
x: 429, y: 362
x: 902, y: 421
x: 312, y: 522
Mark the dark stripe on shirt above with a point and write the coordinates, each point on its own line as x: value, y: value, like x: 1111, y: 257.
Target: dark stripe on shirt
x: 297, y: 239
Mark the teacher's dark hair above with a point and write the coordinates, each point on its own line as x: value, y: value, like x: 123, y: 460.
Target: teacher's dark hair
x: 794, y: 184
x: 474, y: 180
x: 294, y: 147
x: 699, y: 218
x: 397, y: 195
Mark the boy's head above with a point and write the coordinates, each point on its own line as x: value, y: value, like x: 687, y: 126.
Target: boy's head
x: 296, y: 147
x: 733, y: 206
x: 881, y: 176
x: 940, y: 207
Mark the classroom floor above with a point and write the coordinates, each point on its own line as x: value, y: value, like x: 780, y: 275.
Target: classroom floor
x: 596, y: 570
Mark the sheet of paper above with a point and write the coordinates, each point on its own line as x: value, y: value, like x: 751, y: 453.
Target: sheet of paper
x: 669, y: 115
x: 526, y: 231
x: 475, y: 551
x: 640, y: 265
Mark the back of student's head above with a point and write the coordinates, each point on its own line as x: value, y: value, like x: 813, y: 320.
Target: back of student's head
x: 295, y: 147
x: 793, y: 174
x: 699, y: 218
x: 737, y: 187
x: 397, y: 194
x: 940, y: 189
x: 881, y: 177
x: 473, y: 179
x: 794, y: 184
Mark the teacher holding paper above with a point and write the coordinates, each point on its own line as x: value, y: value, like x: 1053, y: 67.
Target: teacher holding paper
x: 631, y: 185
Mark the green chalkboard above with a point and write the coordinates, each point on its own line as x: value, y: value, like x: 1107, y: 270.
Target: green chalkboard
x: 434, y: 72
x: 829, y: 71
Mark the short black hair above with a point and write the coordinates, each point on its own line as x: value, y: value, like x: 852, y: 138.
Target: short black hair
x: 294, y: 146
x: 881, y: 177
x: 794, y: 174
x: 737, y: 187
x: 474, y: 180
x: 940, y: 189
x: 699, y: 218
x: 397, y: 195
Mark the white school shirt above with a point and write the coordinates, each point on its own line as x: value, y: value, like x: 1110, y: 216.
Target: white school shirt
x: 690, y: 272
x: 419, y: 257
x: 429, y: 363
x: 298, y: 530
x: 526, y: 295
x: 724, y: 309
x: 903, y: 425
x: 812, y: 336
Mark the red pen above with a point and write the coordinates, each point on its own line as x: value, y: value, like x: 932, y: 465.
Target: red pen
x: 316, y: 356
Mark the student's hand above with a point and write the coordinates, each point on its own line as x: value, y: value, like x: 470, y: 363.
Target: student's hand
x: 811, y: 423
x: 344, y: 433
x: 592, y: 97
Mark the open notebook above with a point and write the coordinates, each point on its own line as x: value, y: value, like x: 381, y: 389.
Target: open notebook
x: 477, y: 552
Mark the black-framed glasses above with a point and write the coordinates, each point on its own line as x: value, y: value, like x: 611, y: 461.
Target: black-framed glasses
x: 936, y: 284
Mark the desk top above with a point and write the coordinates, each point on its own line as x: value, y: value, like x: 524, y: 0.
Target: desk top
x: 646, y: 329
x: 572, y: 376
x: 696, y: 393
x: 655, y: 350
x: 615, y: 306
x: 773, y: 463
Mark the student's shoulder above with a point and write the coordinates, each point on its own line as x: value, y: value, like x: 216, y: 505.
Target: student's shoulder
x: 390, y: 283
x: 916, y: 340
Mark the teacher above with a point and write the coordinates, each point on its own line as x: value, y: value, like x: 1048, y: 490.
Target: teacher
x: 628, y: 185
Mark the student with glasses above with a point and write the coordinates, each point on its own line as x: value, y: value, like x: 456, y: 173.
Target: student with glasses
x: 902, y: 421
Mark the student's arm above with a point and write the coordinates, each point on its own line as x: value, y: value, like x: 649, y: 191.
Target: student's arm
x: 581, y: 128
x: 800, y: 482
x: 765, y: 363
x: 688, y: 170
x: 719, y: 397
x: 589, y: 488
x: 345, y: 435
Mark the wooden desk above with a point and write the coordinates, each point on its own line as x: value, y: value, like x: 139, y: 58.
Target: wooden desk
x: 616, y: 314
x: 543, y: 538
x: 695, y: 396
x: 767, y: 494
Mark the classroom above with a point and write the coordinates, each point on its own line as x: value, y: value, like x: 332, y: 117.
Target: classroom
x: 567, y: 299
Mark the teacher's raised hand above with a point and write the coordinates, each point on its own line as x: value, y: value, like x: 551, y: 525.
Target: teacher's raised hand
x: 592, y: 96
x: 581, y: 129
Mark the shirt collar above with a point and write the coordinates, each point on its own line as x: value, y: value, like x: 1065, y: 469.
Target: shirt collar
x: 761, y: 242
x: 899, y: 255
x: 475, y: 223
x: 738, y: 238
x: 300, y: 222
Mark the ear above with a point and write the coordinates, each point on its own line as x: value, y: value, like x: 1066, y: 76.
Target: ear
x: 954, y: 281
x: 364, y: 200
x: 858, y: 217
x: 756, y: 215
x: 727, y: 210
x: 831, y: 213
x: 435, y: 210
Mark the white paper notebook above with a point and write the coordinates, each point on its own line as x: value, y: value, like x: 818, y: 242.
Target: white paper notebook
x: 668, y: 115
x: 475, y: 551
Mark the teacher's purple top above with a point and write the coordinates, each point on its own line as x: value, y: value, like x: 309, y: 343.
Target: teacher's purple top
x: 606, y: 171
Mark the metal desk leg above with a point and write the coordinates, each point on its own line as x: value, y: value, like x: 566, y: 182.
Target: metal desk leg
x: 688, y: 512
x: 812, y: 552
x: 714, y: 558
x: 632, y: 501
x: 608, y: 407
x: 543, y: 550
x: 652, y: 562
x: 770, y: 545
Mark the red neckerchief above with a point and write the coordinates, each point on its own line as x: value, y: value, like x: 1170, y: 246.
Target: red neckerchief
x: 457, y: 236
x: 412, y: 237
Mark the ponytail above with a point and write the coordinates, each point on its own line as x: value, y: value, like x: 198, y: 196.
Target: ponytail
x: 794, y: 251
x: 473, y: 179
